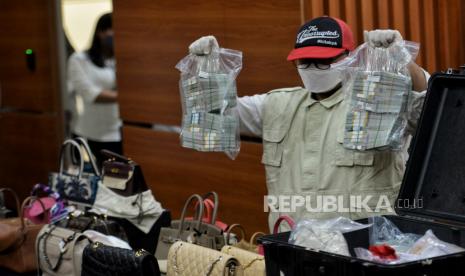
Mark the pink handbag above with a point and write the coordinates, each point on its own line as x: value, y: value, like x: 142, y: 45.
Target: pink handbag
x: 211, y: 207
x: 289, y: 221
x: 54, y: 206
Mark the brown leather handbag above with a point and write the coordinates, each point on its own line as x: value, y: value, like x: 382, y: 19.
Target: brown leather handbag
x: 17, y: 239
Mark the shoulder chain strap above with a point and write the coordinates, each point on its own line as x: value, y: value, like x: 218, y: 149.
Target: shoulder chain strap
x: 63, y: 243
x: 212, y: 265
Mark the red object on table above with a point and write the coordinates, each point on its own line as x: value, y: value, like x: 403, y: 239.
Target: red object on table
x: 383, y: 251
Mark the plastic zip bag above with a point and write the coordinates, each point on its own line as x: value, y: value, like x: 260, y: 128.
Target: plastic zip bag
x: 377, y: 86
x: 208, y: 91
x: 384, y: 231
x: 325, y: 235
x: 428, y: 246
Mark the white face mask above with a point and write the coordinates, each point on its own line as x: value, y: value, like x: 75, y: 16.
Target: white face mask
x: 320, y: 81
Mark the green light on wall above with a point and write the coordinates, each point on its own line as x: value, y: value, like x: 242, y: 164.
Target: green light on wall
x: 28, y: 51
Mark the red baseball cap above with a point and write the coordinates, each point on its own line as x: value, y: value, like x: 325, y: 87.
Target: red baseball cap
x: 322, y: 37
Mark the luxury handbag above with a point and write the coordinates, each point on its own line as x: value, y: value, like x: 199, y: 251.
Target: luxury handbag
x: 99, y: 223
x: 210, y: 211
x: 214, y: 227
x: 17, y: 237
x: 186, y: 259
x: 75, y: 184
x: 194, y: 231
x: 243, y: 243
x: 140, y: 240
x: 59, y: 251
x: 122, y: 175
x: 101, y: 260
x: 53, y: 203
x: 252, y: 264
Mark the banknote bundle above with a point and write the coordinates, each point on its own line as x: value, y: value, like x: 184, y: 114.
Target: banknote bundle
x: 209, y: 132
x: 209, y: 92
x: 209, y: 99
x: 378, y: 104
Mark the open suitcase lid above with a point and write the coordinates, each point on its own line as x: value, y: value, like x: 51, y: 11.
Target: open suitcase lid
x: 434, y: 181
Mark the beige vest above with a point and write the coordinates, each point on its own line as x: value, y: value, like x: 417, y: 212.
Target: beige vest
x: 304, y: 156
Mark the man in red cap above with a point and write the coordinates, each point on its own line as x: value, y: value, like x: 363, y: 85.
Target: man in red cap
x: 303, y: 129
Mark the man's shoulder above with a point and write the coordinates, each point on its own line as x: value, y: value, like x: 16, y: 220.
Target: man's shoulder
x: 283, y: 101
x: 284, y: 94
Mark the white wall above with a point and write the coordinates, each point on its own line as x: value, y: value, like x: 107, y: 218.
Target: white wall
x: 79, y: 19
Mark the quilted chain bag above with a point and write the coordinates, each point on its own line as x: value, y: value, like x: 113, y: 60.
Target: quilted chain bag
x: 101, y: 260
x: 186, y: 259
x: 252, y: 264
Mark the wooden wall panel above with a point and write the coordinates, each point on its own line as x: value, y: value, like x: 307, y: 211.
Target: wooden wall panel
x: 29, y: 148
x: 400, y: 17
x: 416, y: 30
x: 152, y: 36
x: 352, y: 17
x: 265, y: 46
x: 384, y: 19
x: 174, y: 173
x: 431, y: 33
x: 27, y: 25
x: 30, y: 109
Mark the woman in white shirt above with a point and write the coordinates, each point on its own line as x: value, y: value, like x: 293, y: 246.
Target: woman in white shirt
x: 92, y: 78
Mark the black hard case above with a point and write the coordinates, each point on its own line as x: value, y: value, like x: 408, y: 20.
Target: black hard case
x: 435, y: 176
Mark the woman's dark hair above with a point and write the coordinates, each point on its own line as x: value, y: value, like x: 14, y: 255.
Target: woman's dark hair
x: 95, y: 51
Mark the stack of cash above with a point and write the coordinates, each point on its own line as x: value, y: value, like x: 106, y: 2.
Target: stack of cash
x: 208, y: 92
x: 207, y: 97
x: 210, y: 132
x: 378, y: 101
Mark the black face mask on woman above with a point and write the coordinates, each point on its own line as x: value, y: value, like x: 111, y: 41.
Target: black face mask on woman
x: 108, y: 42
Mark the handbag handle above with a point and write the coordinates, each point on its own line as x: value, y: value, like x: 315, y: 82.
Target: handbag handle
x: 255, y: 235
x: 116, y: 156
x: 39, y: 187
x: 208, y: 205
x: 18, y: 207
x: 236, y: 225
x: 184, y: 210
x: 289, y: 221
x: 84, y: 143
x: 213, y: 195
x: 73, y: 143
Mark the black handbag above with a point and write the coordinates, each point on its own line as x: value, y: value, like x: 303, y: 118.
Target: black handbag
x: 139, y: 239
x: 102, y: 260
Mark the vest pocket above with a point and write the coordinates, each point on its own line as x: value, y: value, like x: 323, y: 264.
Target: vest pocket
x: 348, y: 158
x: 273, y: 147
x: 272, y: 154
